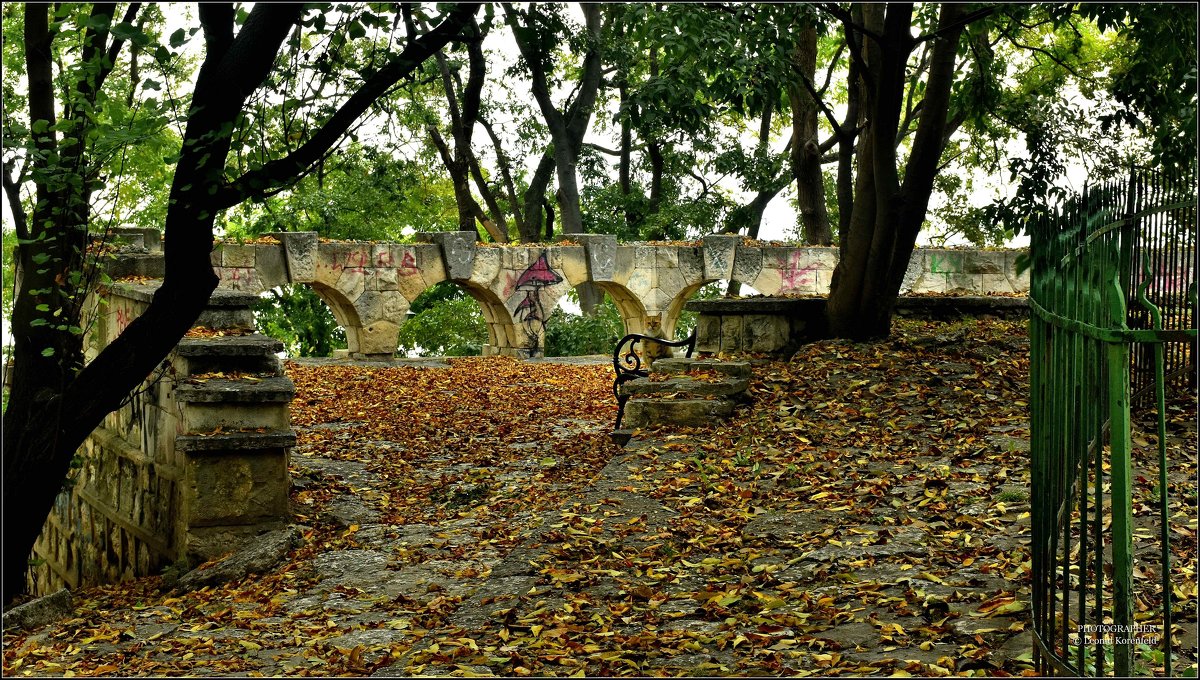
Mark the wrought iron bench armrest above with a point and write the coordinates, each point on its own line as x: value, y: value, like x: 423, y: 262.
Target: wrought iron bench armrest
x: 628, y: 366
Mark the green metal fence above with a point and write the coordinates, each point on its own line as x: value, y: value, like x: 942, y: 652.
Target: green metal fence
x: 1113, y: 297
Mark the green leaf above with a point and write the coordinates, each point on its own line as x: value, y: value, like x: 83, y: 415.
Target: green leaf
x: 178, y: 38
x: 48, y: 352
x: 127, y: 31
x: 43, y: 307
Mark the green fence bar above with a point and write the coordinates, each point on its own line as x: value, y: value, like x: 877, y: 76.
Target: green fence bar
x: 1112, y: 327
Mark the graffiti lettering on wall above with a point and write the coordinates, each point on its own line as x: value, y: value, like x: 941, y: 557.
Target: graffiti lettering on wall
x: 408, y: 264
x: 356, y: 262
x: 530, y: 311
x: 794, y: 275
x: 945, y: 264
x: 123, y: 319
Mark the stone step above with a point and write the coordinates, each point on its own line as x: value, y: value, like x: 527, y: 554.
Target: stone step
x: 686, y: 385
x: 250, y: 389
x: 677, y: 366
x: 686, y: 412
x: 280, y: 438
x: 251, y: 353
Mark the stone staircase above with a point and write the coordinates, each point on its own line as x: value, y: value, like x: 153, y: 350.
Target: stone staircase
x: 687, y: 392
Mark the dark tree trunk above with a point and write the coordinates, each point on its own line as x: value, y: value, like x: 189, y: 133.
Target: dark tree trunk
x: 888, y: 210
x: 54, y: 404
x: 806, y: 147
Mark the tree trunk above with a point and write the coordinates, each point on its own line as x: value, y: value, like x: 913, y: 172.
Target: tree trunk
x: 888, y: 210
x: 806, y: 151
x: 54, y: 405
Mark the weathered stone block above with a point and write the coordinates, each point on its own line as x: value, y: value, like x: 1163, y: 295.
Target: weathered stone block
x: 708, y: 333
x: 352, y: 283
x: 765, y: 333
x: 623, y: 269
x: 300, y: 253
x: 601, y: 251
x: 572, y: 262
x: 747, y: 264
x: 731, y: 333
x: 769, y: 282
x: 983, y: 262
x: 720, y: 250
x: 670, y: 280
x: 383, y: 280
x: 236, y: 487
x: 684, y: 412
x: 667, y: 257
x: 201, y: 417
x: 236, y: 254
x: 640, y: 283
x: 691, y: 264
x: 458, y: 252
x: 270, y: 266
x: 485, y: 269
x: 380, y: 337
x: 914, y: 272
x: 645, y: 257
x: 944, y: 261
x: 990, y: 284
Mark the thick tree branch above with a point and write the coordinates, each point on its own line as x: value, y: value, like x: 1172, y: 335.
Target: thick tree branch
x: 284, y: 169
x: 12, y: 190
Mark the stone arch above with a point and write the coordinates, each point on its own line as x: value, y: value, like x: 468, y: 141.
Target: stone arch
x: 675, y: 306
x: 633, y: 312
x: 502, y: 331
x: 343, y: 312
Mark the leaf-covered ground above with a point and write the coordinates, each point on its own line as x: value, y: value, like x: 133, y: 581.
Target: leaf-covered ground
x: 867, y: 514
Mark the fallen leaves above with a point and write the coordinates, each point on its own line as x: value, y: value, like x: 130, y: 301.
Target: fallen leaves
x: 866, y: 515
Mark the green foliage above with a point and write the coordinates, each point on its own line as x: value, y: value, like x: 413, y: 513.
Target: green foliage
x: 296, y: 316
x: 448, y: 323
x: 363, y: 193
x: 570, y: 334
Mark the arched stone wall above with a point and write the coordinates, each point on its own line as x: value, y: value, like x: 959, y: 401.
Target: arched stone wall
x: 517, y: 286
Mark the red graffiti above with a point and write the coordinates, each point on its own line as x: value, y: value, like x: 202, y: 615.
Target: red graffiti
x: 795, y: 276
x: 408, y: 264
x: 123, y: 319
x: 384, y: 259
x: 356, y: 262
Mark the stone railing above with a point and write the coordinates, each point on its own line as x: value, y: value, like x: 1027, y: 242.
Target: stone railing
x: 370, y: 286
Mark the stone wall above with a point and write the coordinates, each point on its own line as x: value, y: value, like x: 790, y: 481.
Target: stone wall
x: 188, y: 467
x: 370, y: 286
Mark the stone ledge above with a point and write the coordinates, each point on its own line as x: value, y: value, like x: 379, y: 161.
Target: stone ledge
x: 220, y: 298
x: 235, y: 441
x: 253, y: 344
x: 759, y: 305
x: 264, y: 390
x: 680, y: 365
x: 686, y: 412
x: 685, y: 385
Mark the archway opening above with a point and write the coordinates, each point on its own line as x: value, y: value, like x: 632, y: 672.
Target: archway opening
x: 445, y: 320
x: 302, y: 319
x: 684, y: 321
x: 569, y: 332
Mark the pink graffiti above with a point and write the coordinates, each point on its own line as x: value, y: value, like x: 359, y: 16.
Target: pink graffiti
x: 510, y: 283
x: 794, y: 275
